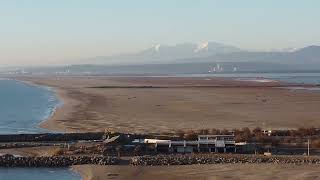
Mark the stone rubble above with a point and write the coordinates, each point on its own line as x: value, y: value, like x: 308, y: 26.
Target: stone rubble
x: 54, y: 161
x: 164, y: 160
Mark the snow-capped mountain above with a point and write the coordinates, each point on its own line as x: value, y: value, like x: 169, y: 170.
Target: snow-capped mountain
x: 170, y: 53
x: 208, y: 52
x: 304, y: 59
x: 202, y: 47
x: 215, y: 48
x: 185, y: 50
x: 192, y: 48
x: 290, y: 49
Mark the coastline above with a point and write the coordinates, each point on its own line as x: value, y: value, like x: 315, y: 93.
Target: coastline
x: 43, y: 112
x: 41, y: 151
x: 47, y: 123
x: 60, y: 110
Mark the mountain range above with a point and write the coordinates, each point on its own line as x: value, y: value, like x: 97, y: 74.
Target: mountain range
x: 209, y: 52
x: 167, y: 54
x: 190, y: 58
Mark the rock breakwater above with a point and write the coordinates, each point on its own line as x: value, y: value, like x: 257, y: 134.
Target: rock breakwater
x: 164, y: 160
x: 54, y: 161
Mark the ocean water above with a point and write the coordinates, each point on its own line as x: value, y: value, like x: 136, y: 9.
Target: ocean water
x: 22, y: 108
x: 38, y: 174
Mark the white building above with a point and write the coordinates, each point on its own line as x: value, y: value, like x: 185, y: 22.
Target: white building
x: 204, y: 143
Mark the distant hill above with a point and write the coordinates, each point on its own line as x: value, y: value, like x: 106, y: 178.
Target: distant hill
x: 191, y: 58
x: 209, y: 52
x: 310, y: 54
x: 167, y: 54
x: 307, y: 55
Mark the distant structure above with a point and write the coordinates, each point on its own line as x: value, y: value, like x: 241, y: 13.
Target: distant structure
x: 267, y: 132
x: 217, y: 68
x: 205, y: 143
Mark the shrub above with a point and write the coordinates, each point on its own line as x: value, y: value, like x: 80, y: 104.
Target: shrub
x: 190, y: 135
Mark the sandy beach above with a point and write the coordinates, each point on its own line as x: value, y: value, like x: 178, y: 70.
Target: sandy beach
x: 204, y: 172
x: 159, y: 104
x: 163, y: 104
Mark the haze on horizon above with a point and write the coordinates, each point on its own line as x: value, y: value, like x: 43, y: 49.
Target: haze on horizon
x: 42, y: 32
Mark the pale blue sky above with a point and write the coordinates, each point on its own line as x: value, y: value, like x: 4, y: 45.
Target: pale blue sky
x: 47, y: 31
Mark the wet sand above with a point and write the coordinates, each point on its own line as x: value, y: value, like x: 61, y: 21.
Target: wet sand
x: 163, y: 104
x: 31, y: 151
x: 203, y: 172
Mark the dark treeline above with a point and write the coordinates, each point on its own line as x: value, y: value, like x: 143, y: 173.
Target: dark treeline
x: 257, y: 135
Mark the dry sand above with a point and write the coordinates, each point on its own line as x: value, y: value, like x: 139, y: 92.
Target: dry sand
x: 176, y: 103
x: 200, y: 172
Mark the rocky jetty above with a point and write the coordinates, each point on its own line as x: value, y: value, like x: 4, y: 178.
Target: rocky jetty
x: 164, y: 160
x: 54, y: 161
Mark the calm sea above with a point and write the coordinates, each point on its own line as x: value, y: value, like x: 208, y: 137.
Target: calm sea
x: 37, y: 174
x: 22, y: 108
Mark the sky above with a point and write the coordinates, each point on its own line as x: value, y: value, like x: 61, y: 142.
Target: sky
x: 62, y: 31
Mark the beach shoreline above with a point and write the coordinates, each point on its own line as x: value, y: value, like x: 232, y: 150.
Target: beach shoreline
x: 50, y: 123
x: 47, y: 123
